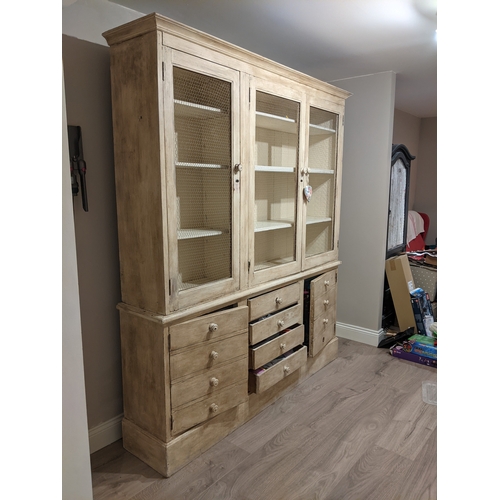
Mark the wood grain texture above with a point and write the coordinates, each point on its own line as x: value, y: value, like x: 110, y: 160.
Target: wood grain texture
x: 356, y: 430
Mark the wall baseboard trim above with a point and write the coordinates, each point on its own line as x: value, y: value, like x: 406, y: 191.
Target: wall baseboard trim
x: 106, y: 433
x: 360, y: 334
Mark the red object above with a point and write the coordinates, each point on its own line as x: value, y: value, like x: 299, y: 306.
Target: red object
x: 418, y: 243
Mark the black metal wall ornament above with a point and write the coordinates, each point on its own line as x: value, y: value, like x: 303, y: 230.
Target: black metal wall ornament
x: 78, y: 166
x: 399, y: 192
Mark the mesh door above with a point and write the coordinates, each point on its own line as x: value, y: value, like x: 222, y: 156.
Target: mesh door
x: 276, y: 157
x: 202, y: 107
x: 322, y: 165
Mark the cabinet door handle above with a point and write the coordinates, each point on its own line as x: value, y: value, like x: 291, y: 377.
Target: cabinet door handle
x: 214, y: 407
x: 325, y: 321
x: 279, y: 300
x: 282, y: 346
x: 238, y: 168
x: 326, y: 302
x: 214, y: 382
x: 213, y: 327
x: 327, y: 283
x: 286, y: 369
x: 214, y: 354
x: 281, y: 323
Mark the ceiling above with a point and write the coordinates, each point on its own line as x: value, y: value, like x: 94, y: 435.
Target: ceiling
x: 328, y: 39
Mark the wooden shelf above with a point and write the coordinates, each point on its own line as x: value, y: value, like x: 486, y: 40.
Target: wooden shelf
x: 276, y: 123
x: 272, y: 263
x: 312, y: 219
x: 321, y: 171
x: 184, y: 164
x: 198, y: 111
x: 269, y: 168
x: 189, y: 234
x: 319, y: 130
x: 271, y: 225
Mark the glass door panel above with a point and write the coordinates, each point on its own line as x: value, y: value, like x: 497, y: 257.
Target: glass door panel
x: 203, y: 178
x: 321, y: 175
x: 275, y: 184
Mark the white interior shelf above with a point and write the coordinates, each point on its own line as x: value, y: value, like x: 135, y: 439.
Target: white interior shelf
x: 312, y: 219
x: 271, y: 225
x: 184, y: 164
x: 276, y: 123
x: 188, y: 234
x: 192, y: 110
x: 268, y: 168
x: 319, y: 130
x: 275, y: 262
x: 321, y: 171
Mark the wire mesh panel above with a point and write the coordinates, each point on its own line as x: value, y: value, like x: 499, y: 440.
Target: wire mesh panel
x: 322, y: 164
x: 276, y: 157
x: 202, y: 109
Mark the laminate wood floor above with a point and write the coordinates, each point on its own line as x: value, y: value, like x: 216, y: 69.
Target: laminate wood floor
x: 356, y: 430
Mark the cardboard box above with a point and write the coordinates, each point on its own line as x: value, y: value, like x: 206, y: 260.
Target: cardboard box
x: 400, y: 279
x: 398, y: 352
x: 422, y: 310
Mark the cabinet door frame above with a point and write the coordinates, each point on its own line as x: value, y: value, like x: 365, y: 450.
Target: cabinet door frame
x: 317, y: 101
x: 294, y: 93
x: 180, y: 299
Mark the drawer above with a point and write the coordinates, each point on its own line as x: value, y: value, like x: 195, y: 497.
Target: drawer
x: 207, y: 328
x: 323, y: 284
x: 208, y: 355
x: 209, y: 382
x: 321, y: 331
x: 322, y: 303
x: 261, y: 330
x: 196, y: 413
x: 264, y: 378
x: 273, y: 301
x: 268, y: 350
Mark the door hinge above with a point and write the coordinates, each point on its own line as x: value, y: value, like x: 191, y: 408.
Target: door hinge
x: 163, y: 71
x: 168, y: 341
x: 171, y: 422
x: 170, y: 287
x: 248, y: 266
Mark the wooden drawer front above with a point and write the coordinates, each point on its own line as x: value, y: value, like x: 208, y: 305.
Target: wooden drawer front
x: 264, y: 328
x: 209, y: 327
x: 207, y: 356
x: 191, y: 415
x: 323, y: 284
x: 209, y: 382
x: 322, y: 303
x: 273, y: 301
x: 321, y: 331
x: 263, y: 353
x: 260, y: 382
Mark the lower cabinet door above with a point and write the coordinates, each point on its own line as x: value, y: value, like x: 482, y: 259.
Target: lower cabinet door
x: 265, y: 377
x: 188, y: 416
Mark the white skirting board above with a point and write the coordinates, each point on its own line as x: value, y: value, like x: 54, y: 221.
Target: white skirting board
x: 105, y: 433
x: 360, y: 334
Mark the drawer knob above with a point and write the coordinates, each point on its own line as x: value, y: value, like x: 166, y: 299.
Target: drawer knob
x: 214, y: 408
x: 286, y: 369
x: 214, y: 354
x: 214, y: 382
x: 327, y: 283
x: 325, y: 321
x: 282, y: 346
x: 281, y: 323
x: 326, y: 302
x: 279, y: 300
x: 213, y: 327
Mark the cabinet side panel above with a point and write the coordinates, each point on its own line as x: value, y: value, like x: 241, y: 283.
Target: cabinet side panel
x: 146, y: 383
x: 135, y: 72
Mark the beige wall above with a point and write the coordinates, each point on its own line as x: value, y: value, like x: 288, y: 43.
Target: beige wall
x: 365, y: 197
x: 87, y: 79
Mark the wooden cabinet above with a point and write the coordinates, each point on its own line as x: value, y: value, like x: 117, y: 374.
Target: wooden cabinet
x: 228, y: 173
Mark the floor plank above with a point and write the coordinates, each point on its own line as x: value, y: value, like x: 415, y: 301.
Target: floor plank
x: 356, y: 430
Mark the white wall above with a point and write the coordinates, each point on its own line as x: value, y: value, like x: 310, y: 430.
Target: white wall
x: 365, y: 197
x: 76, y: 477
